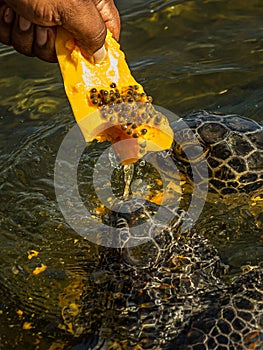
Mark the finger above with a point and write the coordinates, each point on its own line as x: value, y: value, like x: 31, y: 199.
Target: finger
x: 110, y: 16
x: 22, y: 36
x: 86, y: 25
x: 44, y: 45
x: 44, y: 13
x: 100, y: 55
x: 7, y: 17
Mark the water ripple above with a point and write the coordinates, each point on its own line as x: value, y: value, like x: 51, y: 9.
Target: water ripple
x: 6, y: 51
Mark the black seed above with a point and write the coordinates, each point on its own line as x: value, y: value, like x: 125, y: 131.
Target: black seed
x: 112, y: 119
x: 117, y: 95
x: 134, y: 126
x: 95, y: 101
x: 124, y: 127
x: 105, y: 92
x: 129, y: 123
x: 111, y: 92
x: 113, y: 85
x: 129, y: 132
x: 105, y: 115
x: 118, y: 101
x: 149, y: 98
x: 113, y: 98
x: 100, y: 103
x: 130, y: 100
x: 143, y: 131
x: 129, y: 92
x: 151, y: 114
x: 107, y: 100
x: 93, y: 90
x: 93, y: 95
x: 135, y: 135
x: 158, y: 119
x: 136, y: 87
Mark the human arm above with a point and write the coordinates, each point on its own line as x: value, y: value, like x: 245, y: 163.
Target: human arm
x: 30, y: 25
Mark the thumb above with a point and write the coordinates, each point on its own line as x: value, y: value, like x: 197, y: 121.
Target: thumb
x: 84, y: 22
x: 100, y: 55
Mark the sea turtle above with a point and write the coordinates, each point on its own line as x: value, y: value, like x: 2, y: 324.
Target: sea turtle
x: 167, y: 293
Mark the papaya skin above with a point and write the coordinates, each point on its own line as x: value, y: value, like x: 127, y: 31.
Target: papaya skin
x: 108, y: 103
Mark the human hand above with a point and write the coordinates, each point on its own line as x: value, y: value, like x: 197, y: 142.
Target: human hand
x: 30, y: 25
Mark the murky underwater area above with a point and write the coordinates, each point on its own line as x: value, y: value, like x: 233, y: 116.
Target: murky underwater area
x: 188, y: 55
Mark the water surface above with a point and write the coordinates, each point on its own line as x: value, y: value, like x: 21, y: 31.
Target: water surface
x: 189, y: 55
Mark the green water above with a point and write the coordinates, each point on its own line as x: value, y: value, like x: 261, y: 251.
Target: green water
x: 189, y: 55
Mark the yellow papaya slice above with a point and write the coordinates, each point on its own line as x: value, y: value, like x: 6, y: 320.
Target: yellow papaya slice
x: 107, y: 102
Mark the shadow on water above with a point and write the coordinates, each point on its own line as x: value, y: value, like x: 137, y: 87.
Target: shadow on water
x: 189, y: 55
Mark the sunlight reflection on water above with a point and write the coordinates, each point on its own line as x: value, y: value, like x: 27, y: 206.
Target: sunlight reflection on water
x: 189, y: 55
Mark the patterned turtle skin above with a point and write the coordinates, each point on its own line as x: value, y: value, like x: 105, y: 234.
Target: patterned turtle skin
x: 233, y: 320
x: 232, y: 147
x: 168, y: 292
x: 142, y: 296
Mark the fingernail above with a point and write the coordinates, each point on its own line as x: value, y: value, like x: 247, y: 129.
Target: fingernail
x: 51, y: 33
x: 8, y: 15
x: 41, y: 36
x: 24, y: 24
x: 100, y: 55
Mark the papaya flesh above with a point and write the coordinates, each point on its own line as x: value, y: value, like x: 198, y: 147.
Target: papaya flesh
x: 107, y: 102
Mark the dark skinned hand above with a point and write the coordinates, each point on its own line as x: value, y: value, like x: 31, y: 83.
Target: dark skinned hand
x: 30, y: 25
